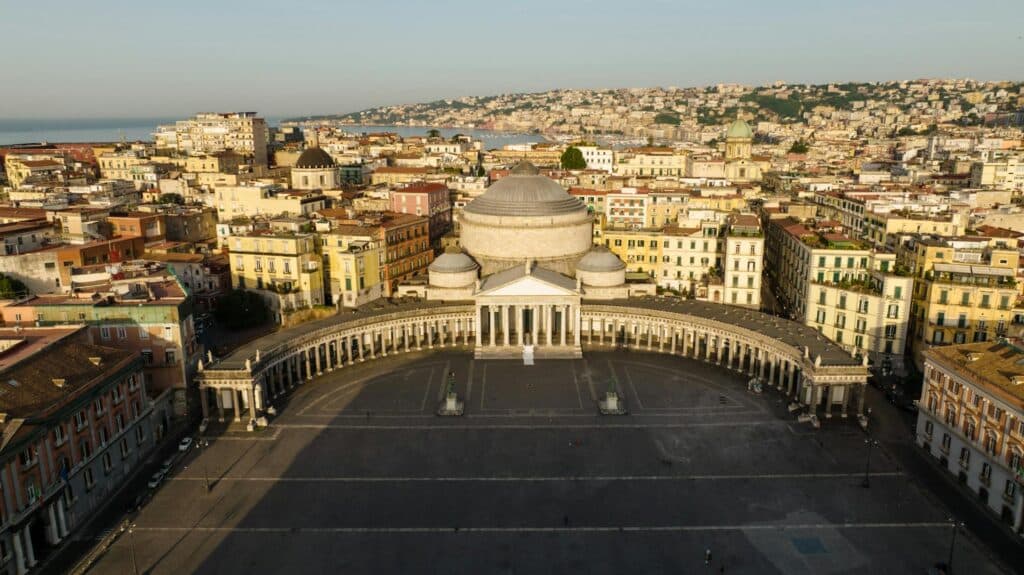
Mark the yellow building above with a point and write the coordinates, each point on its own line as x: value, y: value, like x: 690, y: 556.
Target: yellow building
x: 265, y: 200
x: 354, y: 264
x: 964, y: 290
x: 639, y: 249
x: 881, y: 228
x: 284, y: 267
x: 650, y: 161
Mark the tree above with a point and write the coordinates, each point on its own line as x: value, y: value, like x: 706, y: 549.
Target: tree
x: 433, y: 133
x: 572, y: 159
x: 666, y: 118
x: 172, y: 199
x: 11, y: 288
x: 241, y: 309
x: 799, y: 147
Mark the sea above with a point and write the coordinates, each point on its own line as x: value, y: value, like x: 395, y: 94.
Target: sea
x: 53, y: 130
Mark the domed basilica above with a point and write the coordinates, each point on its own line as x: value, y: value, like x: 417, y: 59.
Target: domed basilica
x: 527, y: 260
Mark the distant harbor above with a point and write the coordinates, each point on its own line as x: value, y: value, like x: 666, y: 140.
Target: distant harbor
x: 31, y: 131
x: 490, y: 138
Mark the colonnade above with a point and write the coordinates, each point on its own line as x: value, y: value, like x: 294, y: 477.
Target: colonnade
x: 519, y: 324
x: 256, y: 380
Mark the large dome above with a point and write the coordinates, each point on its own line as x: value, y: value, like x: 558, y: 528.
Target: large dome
x: 313, y: 158
x: 524, y: 192
x: 739, y: 129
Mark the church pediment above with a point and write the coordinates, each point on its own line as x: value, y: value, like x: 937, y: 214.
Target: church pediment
x: 518, y: 282
x: 528, y: 286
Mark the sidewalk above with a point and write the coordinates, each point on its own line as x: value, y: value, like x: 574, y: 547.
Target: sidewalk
x: 894, y: 430
x: 84, y: 538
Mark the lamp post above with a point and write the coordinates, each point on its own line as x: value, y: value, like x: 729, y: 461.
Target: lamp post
x: 956, y: 525
x: 131, y: 546
x: 871, y: 443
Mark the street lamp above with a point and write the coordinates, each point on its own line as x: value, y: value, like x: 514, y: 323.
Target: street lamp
x: 131, y: 545
x: 956, y: 525
x: 871, y: 443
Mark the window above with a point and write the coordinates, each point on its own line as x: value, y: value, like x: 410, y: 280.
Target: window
x: 80, y: 420
x: 946, y: 440
x: 103, y: 435
x: 894, y: 311
x: 104, y: 332
x: 124, y: 448
x: 890, y: 331
x: 965, y: 298
x: 1010, y: 490
x: 140, y: 435
x: 85, y: 449
x: 984, y: 300
x: 965, y: 457
x: 108, y: 462
x: 147, y: 356
x: 928, y: 427
x: 97, y: 405
x: 986, y: 473
x: 27, y: 458
x: 169, y: 356
x: 143, y: 332
x: 59, y: 435
x: 122, y: 332
x: 89, y: 479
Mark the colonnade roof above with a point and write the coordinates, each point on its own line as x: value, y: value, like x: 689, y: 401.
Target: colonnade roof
x: 787, y: 331
x: 236, y: 359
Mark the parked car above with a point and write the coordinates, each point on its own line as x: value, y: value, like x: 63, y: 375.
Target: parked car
x: 185, y: 444
x: 168, y: 463
x: 155, y: 480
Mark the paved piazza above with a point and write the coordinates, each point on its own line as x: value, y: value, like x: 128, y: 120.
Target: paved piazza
x: 358, y: 476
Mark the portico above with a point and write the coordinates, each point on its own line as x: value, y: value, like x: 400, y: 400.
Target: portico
x: 527, y: 306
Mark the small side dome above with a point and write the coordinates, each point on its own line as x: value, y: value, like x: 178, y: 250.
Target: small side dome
x: 452, y: 261
x: 313, y: 158
x: 601, y: 268
x: 600, y: 259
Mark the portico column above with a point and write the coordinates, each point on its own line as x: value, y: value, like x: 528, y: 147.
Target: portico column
x: 506, y: 323
x: 672, y: 346
x: 771, y: 372
x: 220, y: 403
x: 860, y: 398
x: 650, y: 336
x: 237, y: 396
x: 564, y: 311
x: 476, y: 325
x: 204, y: 399
x: 578, y: 314
x: 761, y: 354
x: 252, y: 403
x: 316, y: 358
x: 548, y: 324
x: 491, y: 309
x: 790, y: 377
x: 309, y: 370
x: 720, y: 350
x: 535, y: 323
x: 846, y: 400
x: 708, y: 346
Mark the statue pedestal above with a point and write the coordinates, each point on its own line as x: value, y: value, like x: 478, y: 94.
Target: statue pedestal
x: 451, y: 405
x: 611, y: 404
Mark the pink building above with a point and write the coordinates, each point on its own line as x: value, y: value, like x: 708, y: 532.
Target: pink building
x: 431, y: 200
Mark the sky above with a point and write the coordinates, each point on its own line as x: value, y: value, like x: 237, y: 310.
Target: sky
x: 170, y: 58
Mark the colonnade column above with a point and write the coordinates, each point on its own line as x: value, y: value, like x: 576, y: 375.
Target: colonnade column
x: 535, y: 323
x: 476, y: 324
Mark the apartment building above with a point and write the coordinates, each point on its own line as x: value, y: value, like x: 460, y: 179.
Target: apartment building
x: 856, y: 296
x: 884, y: 229
x: 208, y: 133
x: 965, y: 290
x: 135, y: 306
x: 650, y: 162
x: 77, y: 421
x: 1005, y: 173
x: 354, y: 257
x: 265, y: 200
x: 598, y: 158
x: 718, y: 258
x: 432, y: 200
x: 626, y: 208
x: 971, y: 419
x: 639, y: 249
x: 284, y: 267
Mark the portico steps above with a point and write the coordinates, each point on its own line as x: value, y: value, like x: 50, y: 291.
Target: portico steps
x: 516, y: 352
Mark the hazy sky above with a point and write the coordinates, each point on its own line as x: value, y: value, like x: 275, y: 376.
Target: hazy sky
x: 176, y: 57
